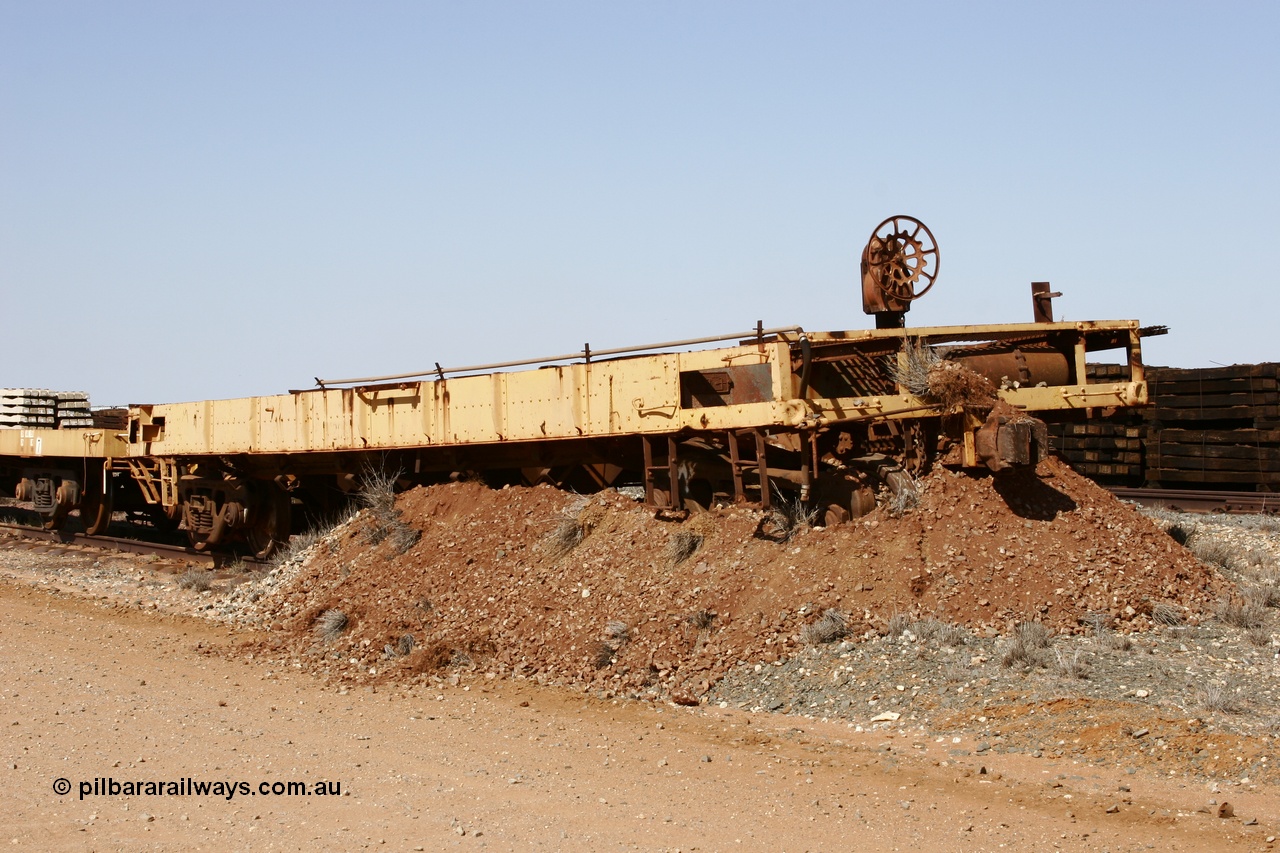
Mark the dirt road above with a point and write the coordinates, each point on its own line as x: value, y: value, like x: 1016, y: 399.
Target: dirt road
x: 96, y: 692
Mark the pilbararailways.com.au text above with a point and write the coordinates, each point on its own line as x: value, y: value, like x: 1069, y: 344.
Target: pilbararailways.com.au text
x: 188, y: 787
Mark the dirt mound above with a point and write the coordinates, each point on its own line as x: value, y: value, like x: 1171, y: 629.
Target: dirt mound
x: 597, y: 593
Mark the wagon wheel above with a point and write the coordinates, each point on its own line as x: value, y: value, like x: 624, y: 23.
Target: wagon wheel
x: 270, y: 522
x: 96, y: 506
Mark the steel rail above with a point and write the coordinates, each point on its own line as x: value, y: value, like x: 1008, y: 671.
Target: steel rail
x: 1202, y: 500
x: 122, y: 544
x: 585, y: 353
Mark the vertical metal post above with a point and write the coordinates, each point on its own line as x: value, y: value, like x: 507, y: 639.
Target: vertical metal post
x: 806, y: 469
x: 648, y: 471
x: 762, y: 466
x: 735, y: 461
x: 674, y: 473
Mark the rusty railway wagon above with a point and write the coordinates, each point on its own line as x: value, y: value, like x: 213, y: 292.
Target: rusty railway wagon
x: 823, y: 419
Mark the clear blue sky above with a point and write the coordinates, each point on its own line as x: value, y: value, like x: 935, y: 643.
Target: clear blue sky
x: 221, y: 199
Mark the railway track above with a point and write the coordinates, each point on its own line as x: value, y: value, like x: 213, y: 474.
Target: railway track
x: 1206, y: 500
x: 123, y: 544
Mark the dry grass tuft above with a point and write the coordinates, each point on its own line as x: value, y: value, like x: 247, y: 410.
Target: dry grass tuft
x: 898, y: 624
x: 925, y: 372
x: 1217, y: 699
x: 1027, y: 648
x: 1034, y: 634
x: 787, y: 517
x: 197, y: 580
x: 944, y: 634
x: 1259, y: 637
x: 1070, y: 665
x: 682, y: 545
x: 567, y: 536
x: 1263, y: 595
x: 829, y: 627
x: 617, y: 632
x: 330, y: 625
x: 1213, y: 552
x: 1167, y: 614
x: 702, y: 620
x: 1240, y: 612
x: 377, y: 494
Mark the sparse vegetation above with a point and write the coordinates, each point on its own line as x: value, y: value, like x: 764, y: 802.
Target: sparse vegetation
x: 1262, y: 595
x: 196, y: 580
x: 617, y: 632
x: 377, y: 494
x: 682, y: 545
x: 898, y: 624
x: 831, y: 626
x: 787, y: 517
x: 330, y: 625
x: 944, y: 634
x: 1258, y: 636
x: 1027, y: 648
x: 1240, y: 612
x: 400, y: 648
x: 1216, y: 698
x: 1071, y: 664
x: 1034, y: 634
x: 567, y: 536
x: 1212, y: 551
x: 927, y: 373
x: 1167, y: 614
x: 702, y: 620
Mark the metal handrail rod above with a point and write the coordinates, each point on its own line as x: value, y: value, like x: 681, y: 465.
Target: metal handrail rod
x: 586, y: 352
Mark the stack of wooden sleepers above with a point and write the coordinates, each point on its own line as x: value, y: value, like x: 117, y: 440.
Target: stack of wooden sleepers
x: 1207, y: 428
x: 1107, y: 449
x: 1218, y: 427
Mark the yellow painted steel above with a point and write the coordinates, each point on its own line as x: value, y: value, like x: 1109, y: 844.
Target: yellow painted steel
x: 61, y: 443
x: 635, y: 395
x: 627, y: 396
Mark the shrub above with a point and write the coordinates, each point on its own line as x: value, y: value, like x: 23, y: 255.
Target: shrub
x: 1070, y: 665
x: 1262, y: 595
x: 1016, y: 654
x: 943, y: 633
x: 831, y: 626
x: 567, y: 536
x: 1220, y: 699
x: 1167, y: 614
x: 377, y: 494
x: 898, y: 623
x: 1214, y: 552
x: 330, y: 624
x: 701, y: 619
x: 1034, y: 634
x: 1240, y: 612
x: 197, y: 580
x: 1026, y: 648
x: 785, y: 518
x: 682, y: 545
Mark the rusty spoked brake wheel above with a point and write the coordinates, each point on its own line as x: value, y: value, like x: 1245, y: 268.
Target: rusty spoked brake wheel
x: 902, y: 257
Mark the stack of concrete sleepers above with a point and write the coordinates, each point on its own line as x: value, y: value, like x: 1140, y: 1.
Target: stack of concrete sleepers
x: 40, y: 408
x: 27, y: 407
x: 73, y: 410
